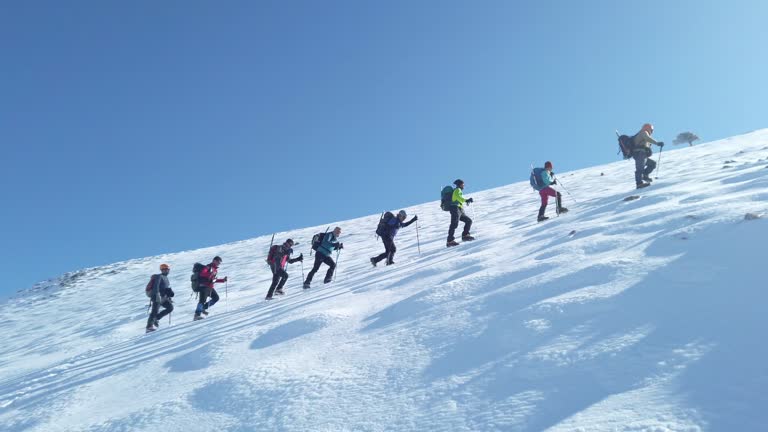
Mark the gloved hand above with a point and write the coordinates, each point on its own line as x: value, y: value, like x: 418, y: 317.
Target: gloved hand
x: 170, y: 293
x: 415, y: 218
x: 470, y: 201
x: 660, y: 143
x: 554, y: 181
x: 225, y: 278
x: 301, y: 257
x: 340, y: 246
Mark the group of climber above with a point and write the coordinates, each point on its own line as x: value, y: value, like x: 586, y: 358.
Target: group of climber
x: 452, y: 200
x: 160, y: 293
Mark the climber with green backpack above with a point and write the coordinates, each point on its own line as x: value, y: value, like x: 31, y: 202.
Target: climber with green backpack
x: 452, y: 200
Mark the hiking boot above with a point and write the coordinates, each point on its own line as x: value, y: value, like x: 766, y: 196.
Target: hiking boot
x: 268, y: 298
x: 642, y: 185
x: 467, y: 238
x: 150, y: 329
x: 280, y: 292
x: 390, y: 262
x: 541, y: 218
x: 306, y: 285
x: 562, y: 210
x: 157, y: 323
x: 373, y: 261
x: 647, y: 178
x: 197, y: 318
x: 327, y: 280
x: 205, y: 312
x: 451, y: 243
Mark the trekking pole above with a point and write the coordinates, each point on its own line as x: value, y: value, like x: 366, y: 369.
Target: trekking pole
x: 418, y: 242
x: 270, y: 248
x: 380, y: 218
x: 302, y: 270
x: 566, y: 190
x: 659, y: 169
x: 226, y: 294
x: 337, y: 264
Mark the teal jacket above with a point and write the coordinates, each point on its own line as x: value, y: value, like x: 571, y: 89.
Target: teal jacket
x: 329, y: 244
x: 546, y: 178
x: 457, y: 200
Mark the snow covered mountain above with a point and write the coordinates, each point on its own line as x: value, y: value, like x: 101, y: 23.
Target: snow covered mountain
x: 643, y: 315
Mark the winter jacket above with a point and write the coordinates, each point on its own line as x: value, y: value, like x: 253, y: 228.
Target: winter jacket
x: 394, y: 225
x: 282, y: 255
x: 208, y: 276
x: 546, y: 178
x: 457, y: 200
x: 642, y: 141
x: 161, y: 289
x: 328, y: 244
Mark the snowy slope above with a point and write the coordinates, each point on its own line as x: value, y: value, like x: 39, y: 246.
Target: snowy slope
x: 647, y: 318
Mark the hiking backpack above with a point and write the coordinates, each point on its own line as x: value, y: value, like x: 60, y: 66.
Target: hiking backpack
x: 317, y: 240
x: 271, y: 255
x: 536, y: 182
x: 626, y: 145
x: 381, y: 229
x: 446, y: 198
x: 195, y: 278
x: 150, y: 285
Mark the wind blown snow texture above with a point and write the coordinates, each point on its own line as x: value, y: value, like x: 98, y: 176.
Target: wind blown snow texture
x: 649, y: 318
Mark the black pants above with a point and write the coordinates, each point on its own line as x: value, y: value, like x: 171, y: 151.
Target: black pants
x: 389, y: 250
x: 203, y: 295
x: 643, y: 166
x: 457, y: 214
x: 154, y: 315
x: 279, y: 278
x: 320, y: 259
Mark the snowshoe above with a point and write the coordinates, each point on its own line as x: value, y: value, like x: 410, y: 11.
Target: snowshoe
x: 197, y: 318
x: 642, y: 185
x: 205, y: 312
x: 467, y: 238
x: 562, y: 210
x: 280, y: 292
x: 150, y: 329
x: 541, y: 218
x: 451, y: 243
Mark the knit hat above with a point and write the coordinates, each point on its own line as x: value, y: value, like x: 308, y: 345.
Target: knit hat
x: 547, y: 164
x: 402, y: 214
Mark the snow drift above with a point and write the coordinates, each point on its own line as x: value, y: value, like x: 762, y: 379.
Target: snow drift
x: 621, y: 315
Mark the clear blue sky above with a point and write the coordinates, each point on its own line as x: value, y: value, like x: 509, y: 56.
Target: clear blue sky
x: 131, y: 129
